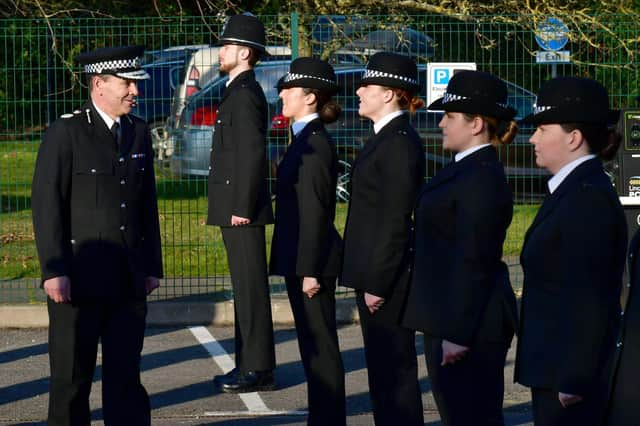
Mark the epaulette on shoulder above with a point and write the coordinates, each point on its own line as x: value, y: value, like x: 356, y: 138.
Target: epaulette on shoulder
x: 71, y: 115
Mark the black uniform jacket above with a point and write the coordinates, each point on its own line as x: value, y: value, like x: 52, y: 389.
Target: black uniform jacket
x: 573, y: 259
x: 95, y: 213
x: 624, y: 407
x: 237, y: 179
x: 385, y: 179
x: 460, y: 287
x: 305, y: 240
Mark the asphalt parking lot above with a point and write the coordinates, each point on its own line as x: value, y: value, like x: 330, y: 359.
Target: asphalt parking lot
x: 178, y: 364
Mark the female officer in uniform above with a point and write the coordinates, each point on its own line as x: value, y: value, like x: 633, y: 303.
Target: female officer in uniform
x: 572, y: 258
x: 306, y: 246
x: 460, y: 294
x: 625, y: 393
x: 385, y: 179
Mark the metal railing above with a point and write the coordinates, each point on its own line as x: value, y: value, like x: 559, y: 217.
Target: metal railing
x: 39, y: 81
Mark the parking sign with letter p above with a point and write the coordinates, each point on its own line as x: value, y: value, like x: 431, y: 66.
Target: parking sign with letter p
x: 439, y: 74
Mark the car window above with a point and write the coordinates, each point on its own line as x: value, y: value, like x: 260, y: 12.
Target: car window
x: 520, y: 99
x: 267, y: 77
x: 174, y: 76
x: 211, y: 95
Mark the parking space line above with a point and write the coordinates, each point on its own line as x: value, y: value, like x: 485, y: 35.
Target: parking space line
x: 253, y: 413
x: 252, y: 400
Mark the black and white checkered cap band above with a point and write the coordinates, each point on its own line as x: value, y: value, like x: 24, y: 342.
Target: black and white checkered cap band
x: 115, y: 66
x: 451, y: 97
x: 376, y: 74
x: 537, y: 109
x: 294, y: 76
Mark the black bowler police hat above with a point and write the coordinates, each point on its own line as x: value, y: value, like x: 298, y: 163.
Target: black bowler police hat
x: 245, y: 30
x: 475, y: 92
x: 391, y: 70
x: 572, y: 100
x: 123, y: 62
x: 311, y: 73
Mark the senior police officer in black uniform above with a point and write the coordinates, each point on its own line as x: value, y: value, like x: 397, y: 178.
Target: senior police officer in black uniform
x: 96, y: 228
x: 239, y: 202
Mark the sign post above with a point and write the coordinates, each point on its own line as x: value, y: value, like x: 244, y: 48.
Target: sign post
x: 552, y: 36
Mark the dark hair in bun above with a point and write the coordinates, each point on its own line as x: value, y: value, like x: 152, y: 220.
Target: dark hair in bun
x: 602, y: 140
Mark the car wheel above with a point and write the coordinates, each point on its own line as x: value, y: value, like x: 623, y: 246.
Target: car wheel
x: 344, y: 176
x: 162, y: 146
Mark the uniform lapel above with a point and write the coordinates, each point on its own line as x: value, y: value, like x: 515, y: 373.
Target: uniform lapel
x: 98, y: 130
x: 312, y: 126
x: 483, y: 155
x: 127, y: 134
x: 386, y: 133
x: 573, y: 180
x: 240, y: 79
x: 633, y: 247
x: 547, y: 206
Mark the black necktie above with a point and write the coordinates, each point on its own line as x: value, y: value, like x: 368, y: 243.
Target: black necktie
x: 115, y: 131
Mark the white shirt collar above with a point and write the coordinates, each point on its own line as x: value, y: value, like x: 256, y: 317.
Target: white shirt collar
x: 299, y: 125
x: 385, y: 120
x: 105, y: 117
x: 565, y: 171
x: 459, y: 156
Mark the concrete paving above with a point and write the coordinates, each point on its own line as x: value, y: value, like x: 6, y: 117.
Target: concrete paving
x: 177, y: 372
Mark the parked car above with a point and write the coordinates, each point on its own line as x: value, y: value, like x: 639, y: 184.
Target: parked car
x: 193, y: 135
x: 153, y: 104
x: 203, y: 67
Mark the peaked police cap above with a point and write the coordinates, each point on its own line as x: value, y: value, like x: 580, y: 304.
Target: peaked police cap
x: 244, y: 30
x: 123, y: 62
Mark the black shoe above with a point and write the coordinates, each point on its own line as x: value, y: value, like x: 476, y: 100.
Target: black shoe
x: 253, y: 381
x: 231, y: 376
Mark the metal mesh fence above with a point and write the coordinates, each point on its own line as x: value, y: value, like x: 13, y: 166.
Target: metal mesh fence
x: 39, y: 81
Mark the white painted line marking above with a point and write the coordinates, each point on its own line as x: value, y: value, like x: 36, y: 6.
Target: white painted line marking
x: 253, y: 413
x: 252, y: 400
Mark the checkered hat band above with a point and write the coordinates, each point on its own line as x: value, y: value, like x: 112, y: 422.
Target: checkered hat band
x: 376, y: 74
x: 293, y: 77
x: 537, y: 109
x: 451, y: 97
x: 119, y: 64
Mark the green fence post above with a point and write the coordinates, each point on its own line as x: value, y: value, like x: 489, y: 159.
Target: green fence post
x: 294, y: 35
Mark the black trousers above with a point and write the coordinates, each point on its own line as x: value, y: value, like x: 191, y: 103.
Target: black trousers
x: 392, y: 368
x: 471, y: 391
x: 74, y: 332
x: 315, y: 321
x: 547, y: 410
x: 246, y: 252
